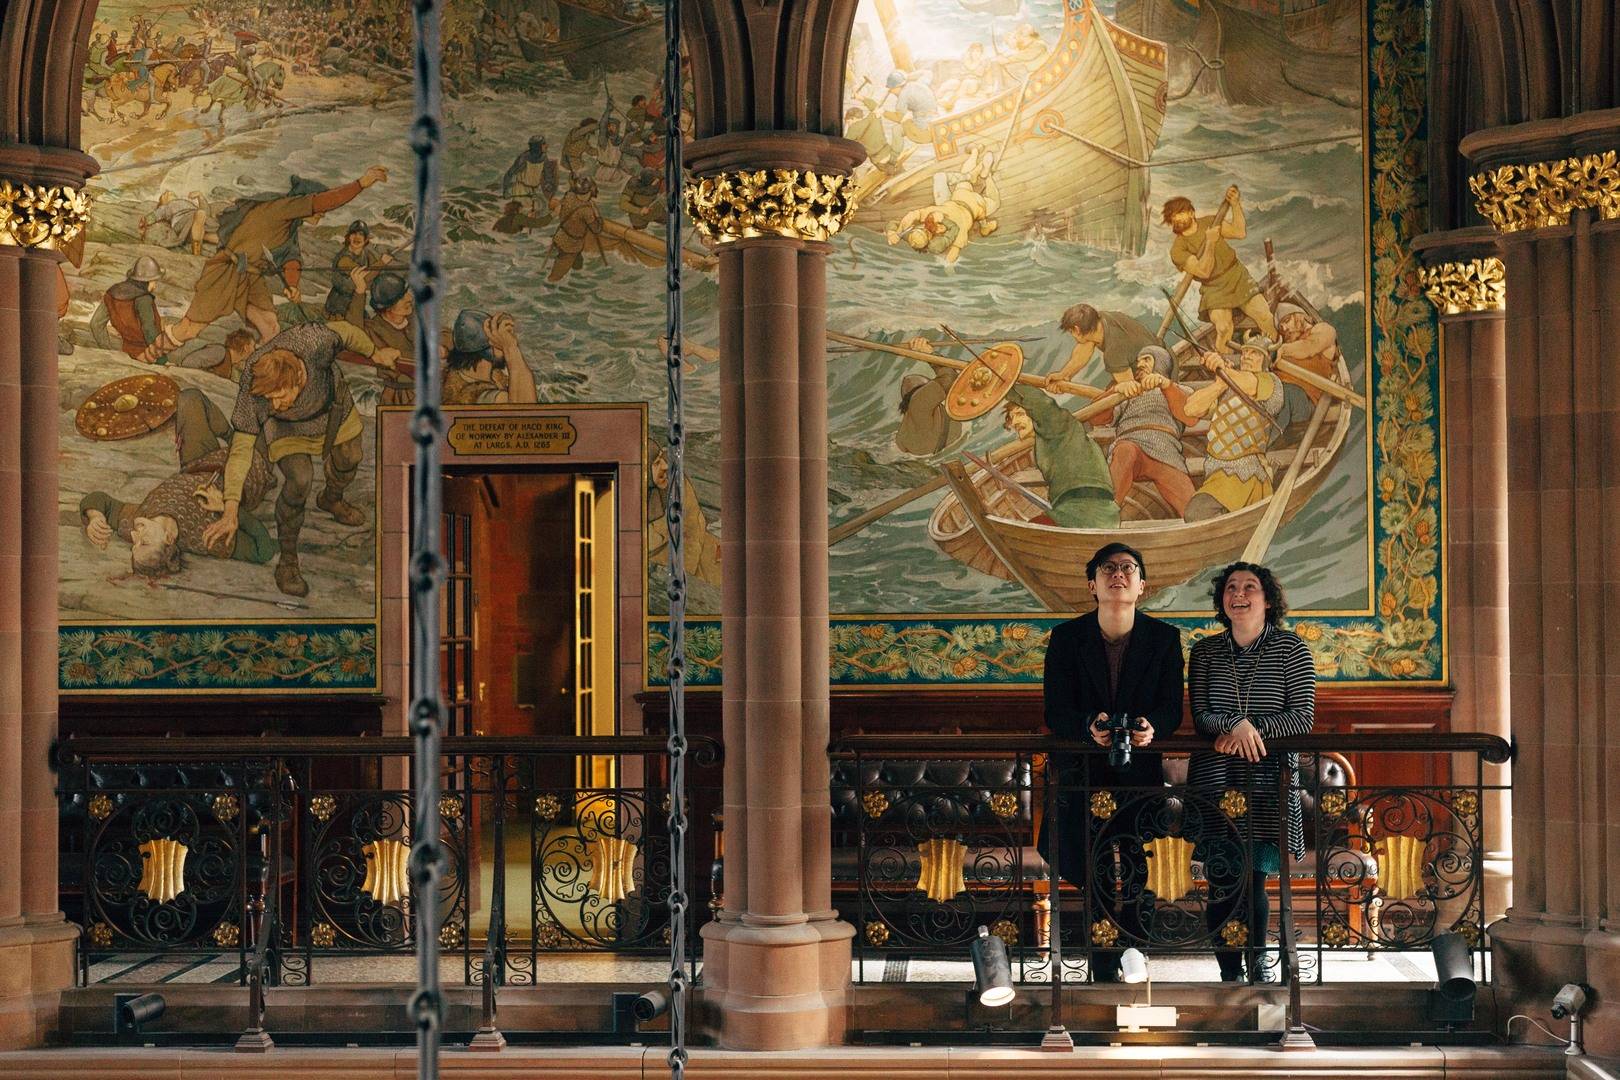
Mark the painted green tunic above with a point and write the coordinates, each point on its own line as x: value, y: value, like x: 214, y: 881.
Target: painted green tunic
x: 1077, y: 480
x: 1229, y: 284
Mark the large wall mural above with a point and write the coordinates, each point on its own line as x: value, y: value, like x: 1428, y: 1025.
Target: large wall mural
x: 1199, y: 210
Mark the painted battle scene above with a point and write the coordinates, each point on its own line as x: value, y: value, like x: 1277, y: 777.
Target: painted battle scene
x: 1108, y: 277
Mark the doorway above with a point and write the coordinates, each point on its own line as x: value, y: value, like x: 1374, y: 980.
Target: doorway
x: 529, y: 647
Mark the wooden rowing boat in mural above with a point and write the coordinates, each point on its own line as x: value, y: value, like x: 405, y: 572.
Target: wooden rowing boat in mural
x: 987, y: 526
x: 1249, y: 52
x: 1096, y: 100
x: 592, y: 35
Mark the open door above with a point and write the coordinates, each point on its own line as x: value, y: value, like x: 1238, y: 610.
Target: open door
x: 595, y: 644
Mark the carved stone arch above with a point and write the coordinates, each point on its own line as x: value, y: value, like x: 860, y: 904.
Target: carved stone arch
x: 43, y: 47
x: 768, y: 65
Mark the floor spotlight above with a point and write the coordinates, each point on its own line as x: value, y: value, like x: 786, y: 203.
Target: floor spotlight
x: 1452, y: 1000
x: 992, y: 971
x: 1133, y: 969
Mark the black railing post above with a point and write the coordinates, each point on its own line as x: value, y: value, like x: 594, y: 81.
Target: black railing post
x: 256, y: 1040
x: 1296, y: 1037
x: 489, y: 1037
x: 1057, y: 1037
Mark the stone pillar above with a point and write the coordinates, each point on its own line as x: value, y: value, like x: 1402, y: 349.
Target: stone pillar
x: 40, y: 209
x: 777, y: 960
x: 1547, y: 188
x: 1464, y: 279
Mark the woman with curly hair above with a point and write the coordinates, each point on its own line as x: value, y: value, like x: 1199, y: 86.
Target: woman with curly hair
x: 1252, y: 683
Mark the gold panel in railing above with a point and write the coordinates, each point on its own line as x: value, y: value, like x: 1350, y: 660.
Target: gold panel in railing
x: 941, y: 875
x: 387, y: 879
x: 613, y: 865
x: 1400, y: 866
x: 163, y: 869
x: 1169, y: 870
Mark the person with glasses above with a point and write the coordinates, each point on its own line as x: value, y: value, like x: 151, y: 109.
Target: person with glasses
x: 1114, y: 661
x: 1252, y: 683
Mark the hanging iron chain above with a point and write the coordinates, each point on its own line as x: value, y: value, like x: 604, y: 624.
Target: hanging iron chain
x: 673, y: 512
x: 427, y: 566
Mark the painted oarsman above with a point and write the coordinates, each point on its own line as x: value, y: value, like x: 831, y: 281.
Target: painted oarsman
x: 1147, y: 433
x: 293, y: 399
x: 1077, y: 482
x: 1237, y: 472
x: 1204, y: 251
x: 1311, y: 344
x: 579, y: 230
x: 234, y: 278
x: 1118, y: 337
x: 391, y: 327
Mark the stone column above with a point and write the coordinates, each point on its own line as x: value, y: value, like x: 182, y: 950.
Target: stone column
x: 1547, y: 188
x: 776, y: 958
x: 40, y: 209
x: 1464, y: 278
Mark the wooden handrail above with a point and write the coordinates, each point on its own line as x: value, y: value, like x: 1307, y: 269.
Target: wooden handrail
x: 101, y: 747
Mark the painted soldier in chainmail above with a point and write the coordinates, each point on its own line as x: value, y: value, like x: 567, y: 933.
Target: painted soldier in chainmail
x: 1147, y: 433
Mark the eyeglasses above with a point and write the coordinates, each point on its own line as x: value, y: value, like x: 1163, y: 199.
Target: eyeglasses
x: 1109, y: 569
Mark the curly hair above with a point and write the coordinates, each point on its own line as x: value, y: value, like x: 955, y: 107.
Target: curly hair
x: 1276, y: 601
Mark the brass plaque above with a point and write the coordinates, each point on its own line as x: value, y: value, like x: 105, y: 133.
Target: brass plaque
x: 490, y: 435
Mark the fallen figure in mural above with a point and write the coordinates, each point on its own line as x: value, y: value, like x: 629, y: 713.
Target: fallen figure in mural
x: 965, y: 204
x: 294, y: 400
x: 172, y: 518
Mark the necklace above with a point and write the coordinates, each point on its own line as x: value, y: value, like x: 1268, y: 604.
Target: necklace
x: 1244, y: 686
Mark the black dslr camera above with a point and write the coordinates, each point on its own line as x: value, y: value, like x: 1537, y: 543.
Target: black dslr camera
x: 1117, y: 729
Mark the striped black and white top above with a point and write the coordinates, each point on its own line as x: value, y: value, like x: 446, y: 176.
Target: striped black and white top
x: 1273, y: 682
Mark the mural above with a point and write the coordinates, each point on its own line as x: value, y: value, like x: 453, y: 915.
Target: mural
x: 1118, y: 269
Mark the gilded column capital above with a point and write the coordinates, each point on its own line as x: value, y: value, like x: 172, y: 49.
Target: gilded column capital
x: 799, y: 204
x: 1540, y: 194
x: 1466, y: 285
x: 41, y: 216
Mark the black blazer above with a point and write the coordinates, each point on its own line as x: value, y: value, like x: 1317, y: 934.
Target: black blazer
x: 1151, y: 685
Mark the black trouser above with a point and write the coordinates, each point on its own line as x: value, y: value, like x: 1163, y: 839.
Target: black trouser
x: 1227, y: 899
x: 1119, y: 881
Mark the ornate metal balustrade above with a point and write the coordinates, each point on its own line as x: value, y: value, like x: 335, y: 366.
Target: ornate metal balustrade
x: 936, y: 836
x: 174, y: 847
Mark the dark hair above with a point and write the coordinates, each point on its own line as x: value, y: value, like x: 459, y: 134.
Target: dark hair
x: 1081, y: 317
x: 456, y: 360
x: 1276, y: 602
x: 241, y: 339
x: 1108, y: 551
x: 1176, y: 206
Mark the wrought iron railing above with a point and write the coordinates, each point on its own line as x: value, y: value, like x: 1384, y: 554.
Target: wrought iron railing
x: 935, y: 836
x: 174, y: 846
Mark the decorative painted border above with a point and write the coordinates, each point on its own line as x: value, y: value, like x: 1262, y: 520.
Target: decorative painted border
x: 276, y: 656
x: 1402, y: 640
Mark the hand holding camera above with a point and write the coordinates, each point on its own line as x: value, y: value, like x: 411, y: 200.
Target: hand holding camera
x: 1120, y: 732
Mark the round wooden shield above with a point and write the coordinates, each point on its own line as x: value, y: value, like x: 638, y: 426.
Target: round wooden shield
x: 984, y: 382
x: 128, y: 407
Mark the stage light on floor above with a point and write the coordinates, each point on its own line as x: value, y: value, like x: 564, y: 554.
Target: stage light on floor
x: 992, y: 970
x: 1133, y: 969
x: 1452, y: 1000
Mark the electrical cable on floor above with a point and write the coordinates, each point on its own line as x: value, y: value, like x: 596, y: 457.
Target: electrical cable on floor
x: 1508, y: 1033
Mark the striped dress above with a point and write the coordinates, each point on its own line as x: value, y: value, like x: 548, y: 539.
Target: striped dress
x: 1279, y: 678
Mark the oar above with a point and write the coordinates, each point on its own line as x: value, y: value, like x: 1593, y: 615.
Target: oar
x: 1322, y: 383
x: 1186, y: 277
x: 1077, y: 389
x: 1258, y: 409
x: 1008, y: 482
x: 1255, y: 552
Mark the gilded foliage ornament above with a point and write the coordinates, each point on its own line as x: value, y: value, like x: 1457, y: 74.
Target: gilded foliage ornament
x: 1333, y: 804
x: 1104, y: 933
x: 1465, y: 803
x: 100, y: 935
x: 1235, y: 934
x: 1540, y: 194
x: 1004, y: 804
x: 322, y: 807
x: 876, y: 804
x: 547, y: 807
x: 877, y: 934
x: 41, y: 217
x: 1234, y: 804
x: 1006, y: 930
x: 450, y: 936
x: 1470, y: 285
x: 226, y: 807
x: 323, y: 935
x: 798, y: 204
x: 1335, y: 936
x: 101, y: 807
x: 227, y: 935
x: 450, y: 807
x: 1103, y: 805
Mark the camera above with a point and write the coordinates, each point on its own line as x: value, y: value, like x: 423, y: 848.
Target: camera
x: 1117, y: 729
x: 1570, y: 1001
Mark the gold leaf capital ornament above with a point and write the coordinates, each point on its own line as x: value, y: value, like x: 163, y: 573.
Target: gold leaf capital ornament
x: 940, y: 870
x: 613, y: 868
x: 798, y: 204
x: 1542, y: 194
x: 163, y: 869
x: 1466, y: 286
x: 41, y: 217
x: 387, y: 877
